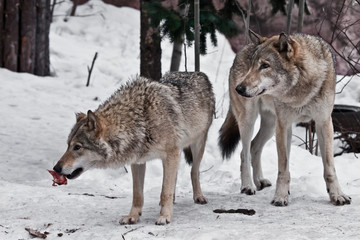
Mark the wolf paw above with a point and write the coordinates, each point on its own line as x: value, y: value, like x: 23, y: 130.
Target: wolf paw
x: 248, y: 190
x: 280, y: 201
x: 200, y: 200
x: 163, y: 220
x: 129, y: 220
x: 263, y: 183
x: 340, y: 199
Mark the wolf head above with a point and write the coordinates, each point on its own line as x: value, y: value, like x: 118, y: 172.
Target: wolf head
x: 86, y: 146
x: 270, y: 63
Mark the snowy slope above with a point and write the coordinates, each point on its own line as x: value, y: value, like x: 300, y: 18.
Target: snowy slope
x: 37, y: 114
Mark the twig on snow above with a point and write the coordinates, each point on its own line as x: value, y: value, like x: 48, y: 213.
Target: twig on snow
x: 90, y: 69
x: 132, y: 230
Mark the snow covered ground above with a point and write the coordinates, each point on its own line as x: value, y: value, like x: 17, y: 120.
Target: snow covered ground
x: 37, y: 114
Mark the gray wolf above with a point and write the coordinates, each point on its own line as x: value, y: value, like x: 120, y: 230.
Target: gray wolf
x: 284, y: 79
x: 144, y: 120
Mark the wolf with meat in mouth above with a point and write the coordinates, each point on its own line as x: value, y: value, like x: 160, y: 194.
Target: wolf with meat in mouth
x: 144, y: 120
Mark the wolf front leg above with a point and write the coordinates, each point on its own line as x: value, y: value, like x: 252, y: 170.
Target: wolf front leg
x: 325, y: 133
x: 246, y: 121
x: 283, y: 143
x: 138, y: 175
x: 170, y: 167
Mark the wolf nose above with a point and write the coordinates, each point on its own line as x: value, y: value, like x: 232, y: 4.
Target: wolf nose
x: 57, y: 168
x: 241, y: 89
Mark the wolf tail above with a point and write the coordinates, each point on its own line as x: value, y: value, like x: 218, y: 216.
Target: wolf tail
x: 229, y: 135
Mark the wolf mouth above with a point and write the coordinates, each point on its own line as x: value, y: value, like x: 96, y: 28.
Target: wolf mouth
x: 75, y: 173
x: 262, y: 91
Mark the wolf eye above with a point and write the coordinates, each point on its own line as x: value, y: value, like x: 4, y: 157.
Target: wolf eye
x: 77, y: 147
x: 264, y: 65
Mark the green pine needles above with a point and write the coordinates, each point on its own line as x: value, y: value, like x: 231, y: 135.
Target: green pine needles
x: 177, y: 24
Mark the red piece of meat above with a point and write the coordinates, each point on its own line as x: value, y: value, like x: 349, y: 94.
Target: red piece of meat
x: 59, y: 179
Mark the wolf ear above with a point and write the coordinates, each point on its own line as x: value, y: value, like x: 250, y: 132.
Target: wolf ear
x: 256, y: 38
x: 79, y: 116
x: 285, y: 45
x: 92, y: 122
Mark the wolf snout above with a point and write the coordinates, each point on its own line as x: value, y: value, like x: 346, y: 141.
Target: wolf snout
x: 242, y: 90
x: 57, y: 168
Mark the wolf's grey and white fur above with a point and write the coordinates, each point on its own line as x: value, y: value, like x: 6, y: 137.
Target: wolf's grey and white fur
x: 144, y: 120
x: 285, y: 79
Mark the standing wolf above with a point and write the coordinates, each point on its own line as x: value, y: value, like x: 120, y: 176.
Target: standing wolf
x: 145, y: 120
x: 285, y: 79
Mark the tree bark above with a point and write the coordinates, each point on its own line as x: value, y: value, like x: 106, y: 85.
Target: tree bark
x: 197, y: 34
x: 42, y: 38
x: 176, y: 56
x: 289, y: 11
x: 73, y: 10
x: 301, y: 16
x: 52, y: 10
x: 1, y: 31
x: 28, y: 36
x: 150, y: 47
x: 11, y: 36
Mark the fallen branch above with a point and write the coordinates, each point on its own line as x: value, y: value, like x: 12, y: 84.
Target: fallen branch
x: 134, y: 229
x: 92, y: 195
x: 207, y: 169
x: 249, y: 212
x: 36, y: 233
x: 90, y: 69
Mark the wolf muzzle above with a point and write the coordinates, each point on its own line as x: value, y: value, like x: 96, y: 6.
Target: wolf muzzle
x: 242, y: 90
x: 77, y: 172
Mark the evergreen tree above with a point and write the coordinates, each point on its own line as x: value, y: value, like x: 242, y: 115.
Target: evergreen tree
x: 177, y: 24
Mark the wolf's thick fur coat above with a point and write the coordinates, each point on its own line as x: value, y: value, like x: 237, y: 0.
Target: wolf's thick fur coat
x: 285, y: 79
x: 144, y: 120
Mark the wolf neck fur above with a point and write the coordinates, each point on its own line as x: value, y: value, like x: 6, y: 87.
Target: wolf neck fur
x: 120, y: 114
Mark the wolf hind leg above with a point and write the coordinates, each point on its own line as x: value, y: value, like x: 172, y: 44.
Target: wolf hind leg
x: 266, y: 131
x: 197, y: 150
x: 324, y: 131
x: 138, y: 175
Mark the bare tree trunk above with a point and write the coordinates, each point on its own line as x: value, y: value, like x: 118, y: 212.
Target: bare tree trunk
x: 52, y: 10
x: 176, y: 56
x: 301, y: 16
x: 27, y: 36
x: 1, y: 31
x: 150, y: 47
x: 289, y: 11
x: 178, y: 44
x: 73, y: 10
x: 42, y: 38
x: 197, y: 34
x: 247, y: 25
x: 11, y: 38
